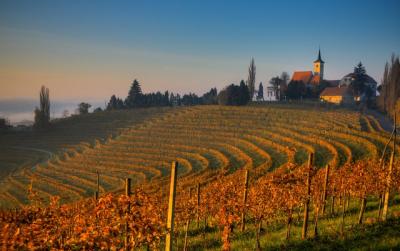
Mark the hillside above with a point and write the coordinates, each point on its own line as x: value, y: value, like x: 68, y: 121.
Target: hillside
x: 22, y: 150
x: 204, y: 140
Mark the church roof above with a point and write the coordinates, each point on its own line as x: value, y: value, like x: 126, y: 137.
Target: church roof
x: 304, y: 76
x: 319, y: 59
x: 335, y: 91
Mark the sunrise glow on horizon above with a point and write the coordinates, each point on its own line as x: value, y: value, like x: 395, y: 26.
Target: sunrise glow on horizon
x: 91, y: 50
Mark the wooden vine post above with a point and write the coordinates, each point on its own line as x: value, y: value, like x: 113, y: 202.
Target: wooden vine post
x: 389, y: 176
x: 128, y: 186
x: 198, y: 205
x: 325, y: 194
x: 387, y: 191
x: 171, y: 207
x: 187, y: 225
x: 97, y: 193
x: 246, y: 185
x: 362, y: 209
x: 127, y: 193
x: 307, y: 202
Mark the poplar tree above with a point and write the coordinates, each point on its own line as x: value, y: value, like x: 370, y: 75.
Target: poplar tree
x: 42, y: 114
x: 251, y: 80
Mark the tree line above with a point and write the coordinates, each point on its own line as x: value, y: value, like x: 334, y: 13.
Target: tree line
x: 137, y: 99
x: 388, y: 101
x: 230, y: 95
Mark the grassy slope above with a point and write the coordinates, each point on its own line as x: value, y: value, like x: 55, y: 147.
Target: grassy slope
x: 377, y: 236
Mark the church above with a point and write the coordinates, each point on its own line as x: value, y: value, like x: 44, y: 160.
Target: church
x: 330, y: 91
x: 316, y: 77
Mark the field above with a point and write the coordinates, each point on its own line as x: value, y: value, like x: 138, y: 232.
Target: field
x: 213, y: 146
x: 141, y: 144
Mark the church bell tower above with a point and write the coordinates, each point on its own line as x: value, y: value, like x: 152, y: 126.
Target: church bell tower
x: 319, y: 66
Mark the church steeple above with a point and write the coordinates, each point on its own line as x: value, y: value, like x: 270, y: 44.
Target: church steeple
x: 319, y: 66
x: 319, y: 59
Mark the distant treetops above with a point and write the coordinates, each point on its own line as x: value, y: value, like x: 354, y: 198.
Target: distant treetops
x: 136, y: 98
x: 231, y: 95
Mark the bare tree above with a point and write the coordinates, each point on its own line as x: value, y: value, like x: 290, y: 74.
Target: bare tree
x: 390, y: 88
x: 276, y: 83
x: 251, y: 80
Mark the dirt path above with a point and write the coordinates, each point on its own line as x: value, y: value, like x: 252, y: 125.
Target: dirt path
x: 384, y: 120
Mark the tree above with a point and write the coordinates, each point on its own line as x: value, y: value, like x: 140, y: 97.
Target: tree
x: 296, y: 90
x: 284, y: 84
x: 112, y: 104
x: 244, y: 95
x: 210, y: 98
x: 390, y: 87
x: 83, y: 108
x: 358, y: 86
x: 260, y: 94
x: 42, y: 114
x: 360, y: 69
x: 276, y: 83
x: 166, y: 101
x: 4, y: 123
x: 234, y: 95
x: 134, y: 98
x: 98, y: 109
x: 190, y: 99
x: 251, y: 80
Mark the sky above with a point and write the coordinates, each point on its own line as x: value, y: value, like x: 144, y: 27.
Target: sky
x: 89, y: 50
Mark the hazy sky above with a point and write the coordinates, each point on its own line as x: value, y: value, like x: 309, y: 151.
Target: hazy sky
x: 90, y: 50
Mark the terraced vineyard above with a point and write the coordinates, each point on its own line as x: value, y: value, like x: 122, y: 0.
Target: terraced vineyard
x: 205, y: 140
x: 22, y: 150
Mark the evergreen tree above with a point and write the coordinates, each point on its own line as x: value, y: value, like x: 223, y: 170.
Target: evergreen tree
x: 112, y: 104
x: 260, y: 94
x: 210, y: 98
x: 358, y: 86
x: 251, y: 80
x: 120, y: 104
x: 166, y: 101
x: 115, y: 103
x: 134, y: 98
x: 360, y: 69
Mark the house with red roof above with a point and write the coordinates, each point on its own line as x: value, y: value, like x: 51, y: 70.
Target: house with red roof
x: 337, y: 95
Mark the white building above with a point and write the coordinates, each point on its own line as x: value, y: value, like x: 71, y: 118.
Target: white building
x: 269, y: 94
